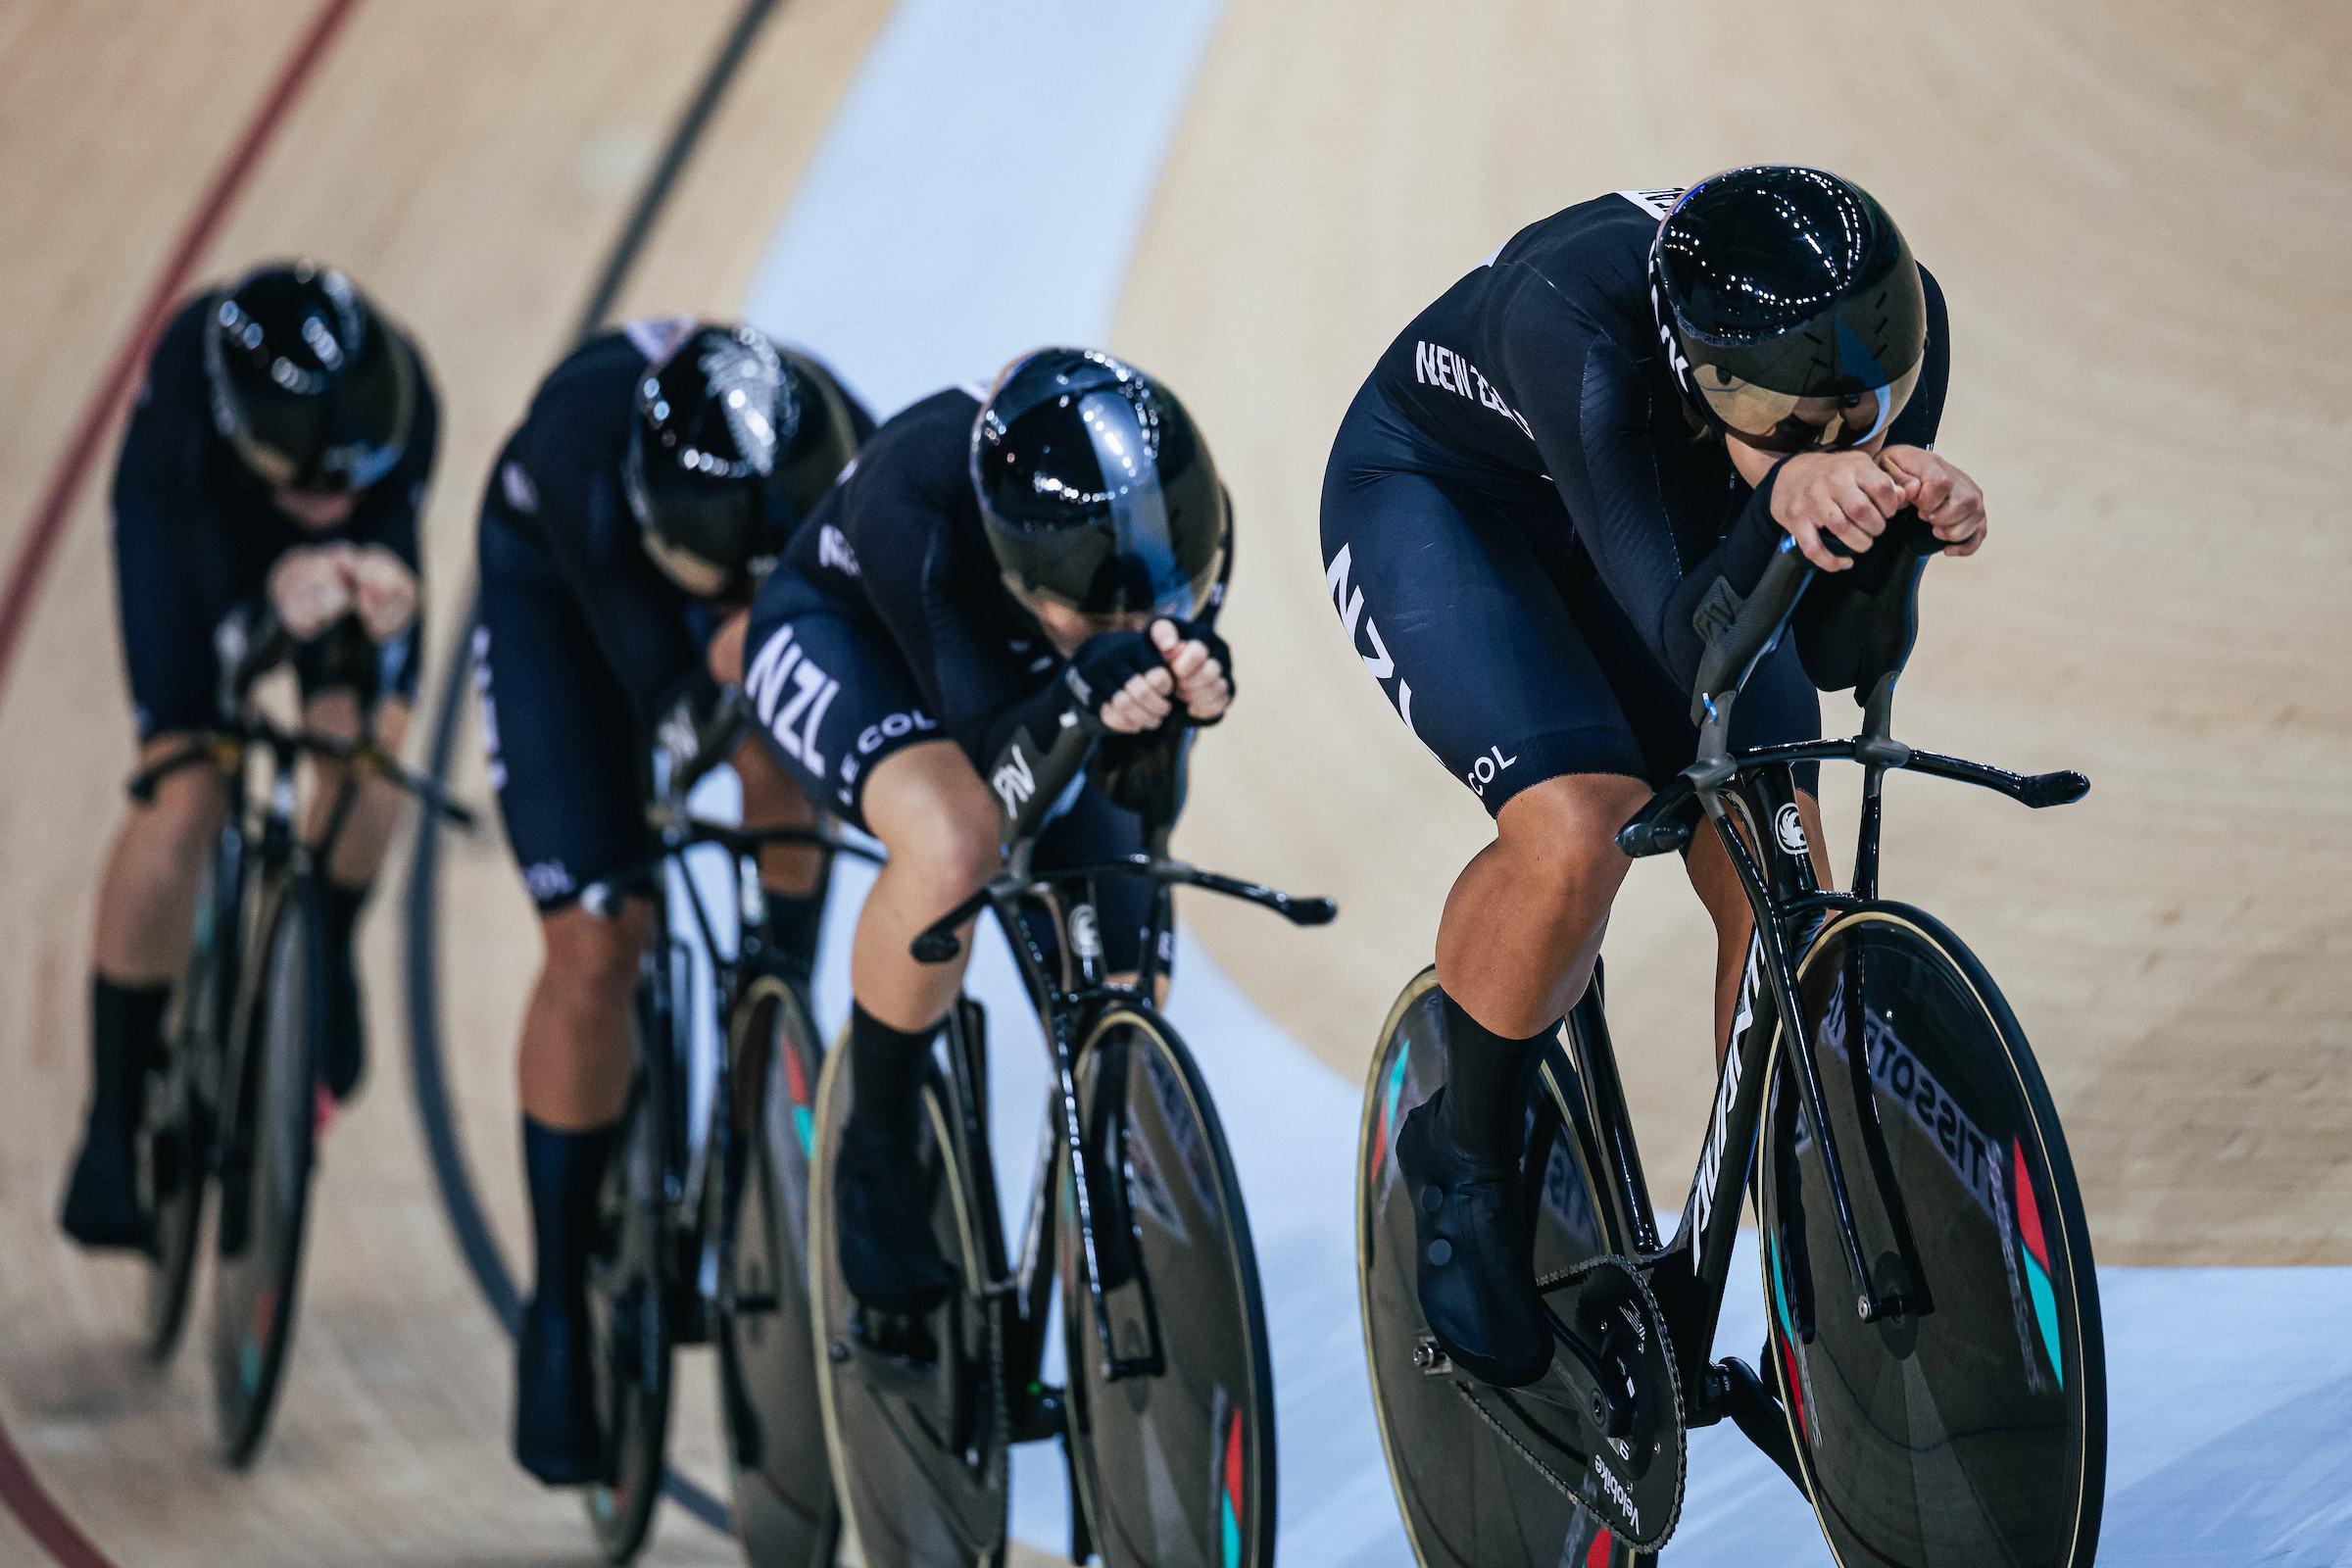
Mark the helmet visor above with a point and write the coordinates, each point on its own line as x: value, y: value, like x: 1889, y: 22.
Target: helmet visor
x: 1780, y: 421
x: 340, y: 439
x: 703, y: 533
x: 697, y: 577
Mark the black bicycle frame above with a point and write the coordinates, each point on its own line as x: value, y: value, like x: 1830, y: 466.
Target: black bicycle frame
x: 1067, y: 1005
x: 685, y: 1170
x: 1750, y: 799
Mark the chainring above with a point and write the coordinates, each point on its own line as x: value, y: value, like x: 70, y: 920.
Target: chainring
x: 1633, y: 1484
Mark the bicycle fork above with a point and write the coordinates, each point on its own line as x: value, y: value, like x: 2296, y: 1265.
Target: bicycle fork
x: 1769, y: 981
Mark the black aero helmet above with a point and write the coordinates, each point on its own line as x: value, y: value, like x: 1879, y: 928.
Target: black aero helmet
x: 1790, y: 305
x: 308, y: 386
x: 1096, y: 489
x: 727, y: 442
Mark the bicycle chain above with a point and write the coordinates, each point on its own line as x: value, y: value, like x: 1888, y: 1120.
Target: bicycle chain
x: 1674, y: 1381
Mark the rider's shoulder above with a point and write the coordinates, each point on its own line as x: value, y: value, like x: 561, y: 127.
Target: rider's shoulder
x: 583, y: 403
x: 175, y: 365
x: 1595, y: 251
x: 926, y: 442
x: 950, y: 410
x: 181, y: 341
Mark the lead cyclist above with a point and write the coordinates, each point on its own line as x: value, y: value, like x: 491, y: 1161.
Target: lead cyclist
x: 1558, y: 477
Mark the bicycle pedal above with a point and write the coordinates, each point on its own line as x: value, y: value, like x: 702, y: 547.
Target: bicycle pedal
x: 893, y: 1343
x: 1039, y: 1417
x: 685, y: 1313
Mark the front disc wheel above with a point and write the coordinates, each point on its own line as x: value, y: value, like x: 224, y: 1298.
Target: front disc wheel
x: 1969, y: 1425
x: 1175, y: 1449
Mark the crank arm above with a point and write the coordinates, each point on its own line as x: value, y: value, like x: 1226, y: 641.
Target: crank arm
x: 1740, y: 1394
x: 1610, y: 1404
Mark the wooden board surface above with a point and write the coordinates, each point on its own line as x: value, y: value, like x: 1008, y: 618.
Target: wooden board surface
x: 2135, y: 208
x: 471, y: 165
x: 2137, y: 212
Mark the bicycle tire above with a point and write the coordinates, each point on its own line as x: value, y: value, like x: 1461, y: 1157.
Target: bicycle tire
x: 176, y: 1135
x: 628, y: 1303
x: 1467, y: 1499
x: 773, y: 1431
x: 918, y: 1454
x: 1176, y: 1467
x: 1974, y: 1431
x: 268, y: 1146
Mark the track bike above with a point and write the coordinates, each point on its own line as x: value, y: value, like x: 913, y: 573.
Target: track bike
x: 1934, y: 1376
x: 703, y: 1242
x: 1166, y: 1420
x: 234, y: 1102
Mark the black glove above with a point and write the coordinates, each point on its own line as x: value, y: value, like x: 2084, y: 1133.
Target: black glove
x: 1205, y: 635
x: 1857, y: 626
x: 1146, y: 773
x: 1105, y: 663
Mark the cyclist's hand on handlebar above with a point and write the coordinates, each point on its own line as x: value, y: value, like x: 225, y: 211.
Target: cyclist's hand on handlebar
x: 1200, y: 663
x: 310, y: 588
x: 385, y: 590
x: 1948, y: 499
x: 1119, y: 676
x: 1840, y: 495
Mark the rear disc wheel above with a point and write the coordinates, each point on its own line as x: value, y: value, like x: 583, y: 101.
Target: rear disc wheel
x: 1468, y: 1492
x: 630, y: 1330
x: 176, y: 1135
x: 785, y: 1515
x: 914, y: 1418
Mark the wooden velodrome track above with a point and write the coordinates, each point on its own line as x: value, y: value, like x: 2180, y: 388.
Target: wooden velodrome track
x: 2137, y: 211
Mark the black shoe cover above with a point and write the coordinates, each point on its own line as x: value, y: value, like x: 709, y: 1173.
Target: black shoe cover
x: 557, y: 1436
x: 1473, y: 1267
x: 102, y: 1197
x: 890, y: 1259
x: 345, y: 1060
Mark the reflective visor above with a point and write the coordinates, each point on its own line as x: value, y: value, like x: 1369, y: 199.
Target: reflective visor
x: 697, y: 577
x: 1778, y: 421
x: 1139, y: 506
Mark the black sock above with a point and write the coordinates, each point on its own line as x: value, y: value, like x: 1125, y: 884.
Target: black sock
x: 127, y: 1024
x: 794, y: 921
x: 566, y: 1174
x: 341, y: 905
x: 886, y: 1071
x: 1483, y: 1111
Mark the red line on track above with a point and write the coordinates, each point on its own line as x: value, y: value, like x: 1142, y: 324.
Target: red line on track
x: 43, y: 1520
x: 21, y: 1490
x: 38, y: 544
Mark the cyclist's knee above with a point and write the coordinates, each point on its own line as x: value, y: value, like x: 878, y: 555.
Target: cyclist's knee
x: 1562, y: 834
x: 388, y: 722
x: 335, y: 712
x: 1717, y: 884
x: 592, y: 959
x: 179, y: 820
x: 770, y: 795
x: 936, y: 819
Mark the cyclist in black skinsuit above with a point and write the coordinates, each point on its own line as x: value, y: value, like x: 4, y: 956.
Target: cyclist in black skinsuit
x: 660, y: 468
x: 1559, y: 476
x: 996, y: 562
x: 279, y: 454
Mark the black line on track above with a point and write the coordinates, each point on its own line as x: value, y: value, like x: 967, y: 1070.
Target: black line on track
x: 435, y: 1110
